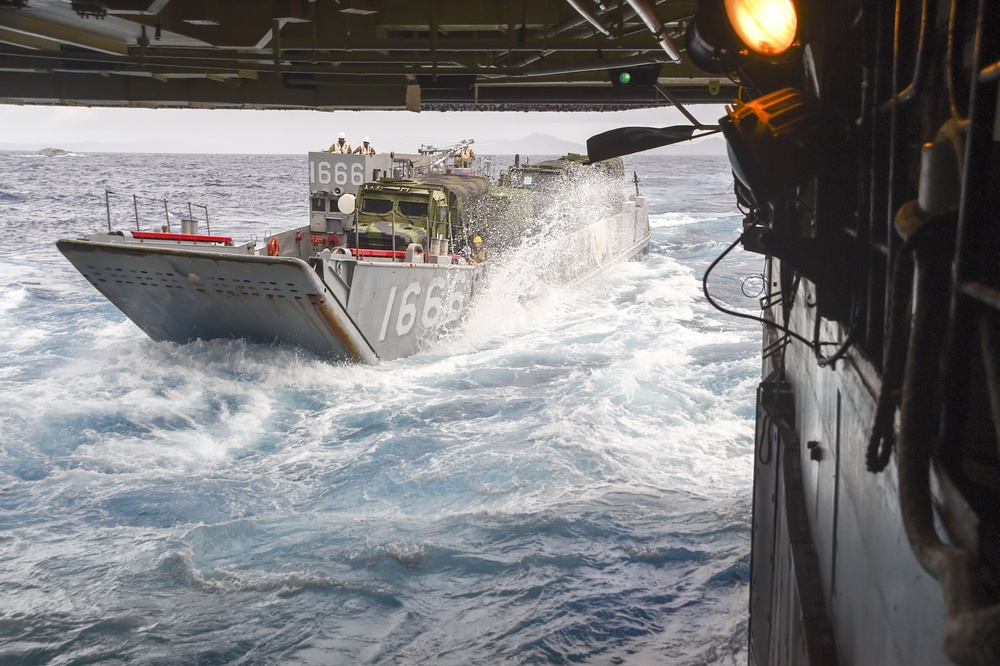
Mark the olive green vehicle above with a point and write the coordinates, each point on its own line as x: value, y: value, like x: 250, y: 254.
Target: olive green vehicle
x: 555, y: 173
x: 393, y: 213
x: 580, y: 203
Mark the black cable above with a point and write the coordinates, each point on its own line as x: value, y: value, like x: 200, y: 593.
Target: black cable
x: 883, y: 435
x: 765, y: 440
x: 704, y: 288
x: 747, y: 278
x: 832, y: 359
x: 745, y: 81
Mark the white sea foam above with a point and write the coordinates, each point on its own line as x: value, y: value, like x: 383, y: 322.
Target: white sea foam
x: 673, y: 219
x: 11, y: 299
x: 181, y: 569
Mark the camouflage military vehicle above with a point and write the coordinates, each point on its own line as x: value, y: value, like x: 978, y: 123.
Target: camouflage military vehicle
x: 434, y: 210
x: 582, y: 204
x: 556, y: 173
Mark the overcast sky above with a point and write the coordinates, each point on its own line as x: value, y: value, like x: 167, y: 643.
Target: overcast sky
x: 290, y: 132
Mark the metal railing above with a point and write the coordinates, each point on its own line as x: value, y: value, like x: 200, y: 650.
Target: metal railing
x: 166, y: 210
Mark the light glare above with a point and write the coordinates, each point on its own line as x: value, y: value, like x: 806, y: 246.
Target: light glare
x: 766, y: 26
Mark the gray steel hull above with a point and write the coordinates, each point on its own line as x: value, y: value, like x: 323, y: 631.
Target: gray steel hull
x: 389, y: 311
x: 833, y: 578
x: 181, y: 296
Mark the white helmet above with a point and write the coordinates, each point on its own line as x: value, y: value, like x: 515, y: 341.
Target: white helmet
x: 366, y: 139
x: 341, y: 136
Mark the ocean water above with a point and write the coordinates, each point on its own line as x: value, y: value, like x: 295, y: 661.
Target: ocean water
x: 564, y: 480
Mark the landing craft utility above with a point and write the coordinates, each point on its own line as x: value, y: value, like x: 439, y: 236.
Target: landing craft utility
x: 384, y: 267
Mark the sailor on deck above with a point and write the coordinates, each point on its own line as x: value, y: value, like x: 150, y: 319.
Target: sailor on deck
x: 464, y: 158
x: 478, y: 251
x: 341, y: 146
x: 365, y: 148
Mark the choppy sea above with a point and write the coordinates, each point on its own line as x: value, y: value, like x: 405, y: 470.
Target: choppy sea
x: 565, y: 480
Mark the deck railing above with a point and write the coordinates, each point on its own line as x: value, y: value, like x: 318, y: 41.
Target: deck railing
x: 166, y: 210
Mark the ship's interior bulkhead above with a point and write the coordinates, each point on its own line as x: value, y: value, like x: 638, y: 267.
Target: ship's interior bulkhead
x: 866, y: 161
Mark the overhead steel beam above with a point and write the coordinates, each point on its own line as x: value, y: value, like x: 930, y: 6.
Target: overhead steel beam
x: 268, y: 92
x: 589, y: 18
x: 28, y: 41
x: 652, y: 22
x: 36, y: 25
x: 401, y: 54
x: 272, y: 92
x: 361, y: 65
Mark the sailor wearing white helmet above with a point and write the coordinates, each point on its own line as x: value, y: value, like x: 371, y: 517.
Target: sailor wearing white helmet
x: 341, y: 145
x: 465, y: 158
x: 365, y: 148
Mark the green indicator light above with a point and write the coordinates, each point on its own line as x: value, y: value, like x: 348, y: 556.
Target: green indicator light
x: 625, y: 78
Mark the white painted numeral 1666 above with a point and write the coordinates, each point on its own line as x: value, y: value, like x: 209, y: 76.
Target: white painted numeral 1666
x: 407, y: 309
x: 433, y: 311
x: 339, y: 173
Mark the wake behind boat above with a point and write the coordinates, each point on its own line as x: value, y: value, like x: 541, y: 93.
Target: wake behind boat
x: 374, y: 276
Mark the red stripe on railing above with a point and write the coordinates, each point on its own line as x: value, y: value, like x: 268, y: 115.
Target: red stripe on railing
x: 399, y: 254
x: 364, y: 252
x: 157, y: 235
